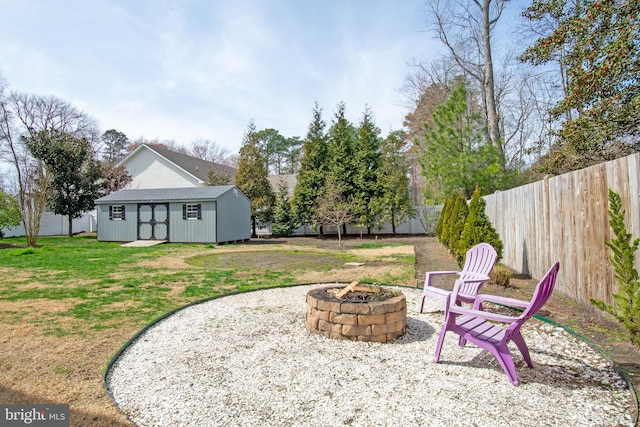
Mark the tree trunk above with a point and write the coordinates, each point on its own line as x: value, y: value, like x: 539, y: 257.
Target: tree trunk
x: 70, y: 219
x: 253, y: 226
x: 493, y: 118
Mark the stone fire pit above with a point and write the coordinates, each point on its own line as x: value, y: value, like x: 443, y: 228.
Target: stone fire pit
x: 356, y: 312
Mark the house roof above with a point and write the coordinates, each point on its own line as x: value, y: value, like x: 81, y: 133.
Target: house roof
x: 193, y: 165
x: 166, y: 194
x: 289, y: 179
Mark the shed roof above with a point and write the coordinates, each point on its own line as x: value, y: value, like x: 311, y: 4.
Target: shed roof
x: 166, y: 194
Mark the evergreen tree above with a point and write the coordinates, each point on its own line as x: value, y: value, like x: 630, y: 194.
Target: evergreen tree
x: 251, y: 178
x: 366, y: 162
x: 312, y: 173
x: 454, y: 155
x: 114, y: 150
x: 442, y: 218
x: 456, y: 223
x: 216, y: 178
x: 478, y: 229
x: 115, y: 146
x: 626, y: 307
x: 77, y: 178
x: 283, y: 220
x: 393, y: 179
x: 341, y: 169
x: 446, y: 219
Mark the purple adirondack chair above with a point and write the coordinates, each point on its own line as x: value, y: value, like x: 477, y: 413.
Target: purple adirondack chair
x: 478, y: 263
x: 478, y: 326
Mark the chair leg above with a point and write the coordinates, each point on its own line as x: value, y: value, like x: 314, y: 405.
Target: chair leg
x: 421, y: 304
x: 506, y: 361
x: 522, y: 346
x: 443, y: 332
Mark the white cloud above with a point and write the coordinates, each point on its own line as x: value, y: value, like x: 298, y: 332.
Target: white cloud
x: 186, y: 70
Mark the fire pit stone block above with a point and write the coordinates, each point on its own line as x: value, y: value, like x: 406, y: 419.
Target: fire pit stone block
x: 375, y: 321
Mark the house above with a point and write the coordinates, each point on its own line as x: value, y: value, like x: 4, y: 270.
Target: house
x: 150, y: 167
x: 218, y: 214
x: 155, y: 167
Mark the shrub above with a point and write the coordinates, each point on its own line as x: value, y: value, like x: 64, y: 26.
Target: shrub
x: 500, y: 275
x: 457, y: 222
x: 441, y: 218
x: 626, y: 307
x: 446, y: 220
x: 477, y: 229
x: 283, y: 220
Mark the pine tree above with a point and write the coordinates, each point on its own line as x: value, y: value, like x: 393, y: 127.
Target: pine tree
x: 312, y: 173
x: 251, y: 178
x: 393, y: 178
x: 454, y: 156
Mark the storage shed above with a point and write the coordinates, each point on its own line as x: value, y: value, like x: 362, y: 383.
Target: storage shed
x: 218, y: 214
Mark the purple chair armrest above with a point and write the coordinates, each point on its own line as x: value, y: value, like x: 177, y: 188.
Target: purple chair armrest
x: 482, y: 314
x: 500, y: 300
x: 441, y: 273
x: 475, y: 278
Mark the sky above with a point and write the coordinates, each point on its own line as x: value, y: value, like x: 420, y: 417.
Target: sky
x: 202, y: 69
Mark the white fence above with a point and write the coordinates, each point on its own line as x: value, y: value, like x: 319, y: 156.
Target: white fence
x: 424, y: 223
x: 54, y: 225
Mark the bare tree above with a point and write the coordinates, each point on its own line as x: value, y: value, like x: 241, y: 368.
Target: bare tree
x: 23, y: 116
x: 465, y: 28
x: 334, y: 209
x: 207, y: 149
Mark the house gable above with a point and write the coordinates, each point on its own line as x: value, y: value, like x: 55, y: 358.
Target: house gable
x: 154, y: 167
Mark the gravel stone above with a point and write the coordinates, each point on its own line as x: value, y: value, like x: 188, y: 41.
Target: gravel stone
x: 247, y: 360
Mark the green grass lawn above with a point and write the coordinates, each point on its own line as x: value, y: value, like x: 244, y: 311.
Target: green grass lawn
x: 100, y: 285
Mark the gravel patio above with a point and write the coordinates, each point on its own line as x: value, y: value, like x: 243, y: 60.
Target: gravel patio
x: 247, y: 359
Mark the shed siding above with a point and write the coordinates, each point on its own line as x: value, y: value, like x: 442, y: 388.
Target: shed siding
x: 197, y: 230
x: 151, y: 171
x: 234, y: 217
x: 117, y: 231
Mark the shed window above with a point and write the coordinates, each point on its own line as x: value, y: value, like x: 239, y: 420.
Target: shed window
x: 117, y: 213
x: 192, y: 211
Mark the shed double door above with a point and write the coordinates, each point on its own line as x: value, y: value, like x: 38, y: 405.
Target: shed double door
x: 153, y: 221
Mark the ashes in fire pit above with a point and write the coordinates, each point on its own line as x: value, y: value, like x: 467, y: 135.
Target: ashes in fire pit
x: 357, y: 312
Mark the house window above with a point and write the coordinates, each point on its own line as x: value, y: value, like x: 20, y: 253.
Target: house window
x: 117, y: 213
x: 192, y: 211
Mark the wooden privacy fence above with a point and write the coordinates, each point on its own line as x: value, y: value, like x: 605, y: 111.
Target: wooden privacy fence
x: 565, y: 218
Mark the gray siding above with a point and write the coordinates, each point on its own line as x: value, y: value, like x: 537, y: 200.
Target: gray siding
x: 120, y: 230
x: 193, y: 230
x: 234, y: 217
